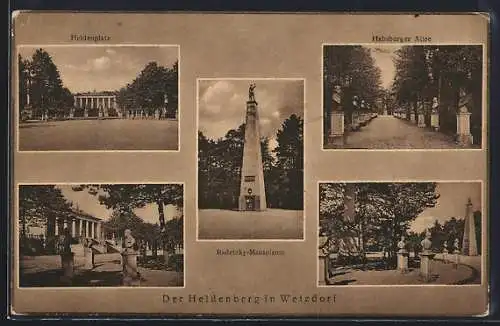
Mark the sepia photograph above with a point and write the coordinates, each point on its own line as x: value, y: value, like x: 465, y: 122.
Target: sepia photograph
x: 97, y: 98
x: 402, y: 96
x: 101, y: 235
x: 411, y: 233
x: 250, y: 159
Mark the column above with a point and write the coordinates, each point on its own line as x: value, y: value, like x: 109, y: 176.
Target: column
x: 73, y: 228
x: 91, y: 226
x: 469, y: 242
x: 80, y: 229
x: 99, y: 234
x: 87, y: 231
x: 56, y: 227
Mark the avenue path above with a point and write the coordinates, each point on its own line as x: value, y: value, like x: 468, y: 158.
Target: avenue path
x: 111, y: 134
x: 388, y: 132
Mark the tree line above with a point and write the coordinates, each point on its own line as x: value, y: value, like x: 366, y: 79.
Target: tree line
x: 151, y: 89
x: 380, y: 213
x: 47, y: 94
x: 220, y: 160
x: 425, y: 72
x: 354, y: 69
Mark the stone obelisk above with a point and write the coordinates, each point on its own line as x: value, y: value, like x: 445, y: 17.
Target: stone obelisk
x: 252, y: 192
x: 469, y: 243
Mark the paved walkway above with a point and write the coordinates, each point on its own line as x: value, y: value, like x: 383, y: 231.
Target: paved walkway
x: 442, y: 273
x: 112, y: 134
x: 388, y: 132
x: 45, y: 271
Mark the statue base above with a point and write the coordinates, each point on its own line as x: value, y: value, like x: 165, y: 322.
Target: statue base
x: 131, y: 276
x: 88, y: 256
x: 68, y: 263
x: 425, y: 266
x: 403, y: 261
x: 464, y: 140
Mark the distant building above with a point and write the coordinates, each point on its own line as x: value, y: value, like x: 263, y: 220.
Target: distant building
x: 103, y: 102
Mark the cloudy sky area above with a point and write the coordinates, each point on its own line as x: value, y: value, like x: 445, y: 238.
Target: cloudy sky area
x: 90, y: 205
x: 103, y: 68
x: 451, y: 204
x: 383, y: 55
x: 222, y: 105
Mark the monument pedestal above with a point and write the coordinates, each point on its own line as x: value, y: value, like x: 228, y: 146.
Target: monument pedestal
x: 425, y: 265
x: 85, y: 113
x: 336, y: 136
x: 412, y: 118
x: 88, y: 257
x: 67, y: 263
x: 464, y: 137
x: 456, y: 259
x: 403, y: 261
x: 131, y: 275
x: 435, y: 121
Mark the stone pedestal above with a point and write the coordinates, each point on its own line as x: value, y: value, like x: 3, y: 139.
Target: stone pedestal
x: 421, y: 120
x: 425, y: 265
x: 88, y: 257
x: 131, y: 275
x: 464, y: 137
x: 403, y: 261
x: 85, y: 113
x: 405, y: 116
x: 67, y: 263
x: 412, y: 118
x: 71, y: 114
x: 100, y: 114
x: 354, y: 122
x: 456, y: 259
x: 445, y: 256
x: 157, y: 114
x: 435, y: 121
x: 336, y: 136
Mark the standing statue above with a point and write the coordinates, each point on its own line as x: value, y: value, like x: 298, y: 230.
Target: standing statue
x: 129, y: 244
x: 251, y: 92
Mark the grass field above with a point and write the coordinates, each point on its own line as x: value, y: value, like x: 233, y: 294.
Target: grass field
x: 113, y: 134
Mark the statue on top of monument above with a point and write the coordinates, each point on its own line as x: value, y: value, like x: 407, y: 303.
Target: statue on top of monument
x: 251, y: 92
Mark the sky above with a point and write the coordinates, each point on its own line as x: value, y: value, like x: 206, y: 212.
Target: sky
x: 90, y: 205
x: 452, y: 203
x: 103, y: 68
x: 222, y: 105
x: 383, y: 55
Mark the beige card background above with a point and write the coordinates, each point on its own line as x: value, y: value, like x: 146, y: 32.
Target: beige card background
x: 250, y: 46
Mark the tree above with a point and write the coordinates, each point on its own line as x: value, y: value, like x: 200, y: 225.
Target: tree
x: 354, y: 69
x: 47, y: 91
x: 382, y: 211
x: 40, y: 203
x: 124, y: 198
x: 290, y: 162
x: 150, y: 88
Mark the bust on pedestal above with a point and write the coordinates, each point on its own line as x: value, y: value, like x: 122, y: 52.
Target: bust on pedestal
x: 456, y: 253
x: 88, y: 254
x: 131, y: 276
x: 421, y: 117
x: 336, y: 136
x: 464, y: 137
x: 402, y: 256
x: 426, y: 257
x: 435, y: 114
x: 445, y: 252
x: 67, y: 257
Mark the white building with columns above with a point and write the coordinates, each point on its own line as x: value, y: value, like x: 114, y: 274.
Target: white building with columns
x: 101, y: 101
x: 79, y: 224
